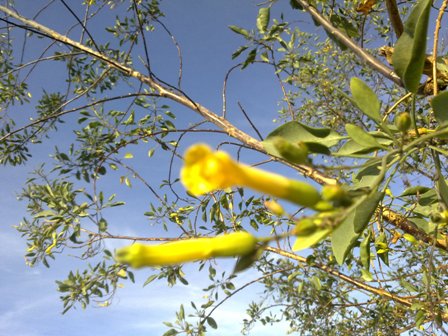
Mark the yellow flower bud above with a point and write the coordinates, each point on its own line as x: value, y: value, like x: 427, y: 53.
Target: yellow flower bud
x: 234, y: 244
x: 229, y: 245
x: 274, y: 207
x: 205, y: 171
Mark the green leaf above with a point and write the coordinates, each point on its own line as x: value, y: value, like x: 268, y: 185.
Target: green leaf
x: 102, y: 225
x: 305, y: 241
x: 128, y: 156
x: 423, y: 224
x: 264, y: 57
x: 361, y: 137
x: 212, y: 323
x: 250, y: 58
x: 366, y: 275
x: 344, y: 25
x: 244, y: 262
x: 318, y: 140
x: 366, y: 210
x: 45, y: 213
x: 315, y: 281
x: 346, y: 234
x: 240, y: 31
x: 367, y: 174
x: 410, y: 50
x: 295, y: 153
x: 364, y: 251
x: 440, y: 106
x: 365, y: 99
x: 410, y: 287
x: 182, y: 312
x: 382, y: 248
x: 416, y: 190
x: 263, y: 19
x: 351, y: 148
x: 171, y: 332
x: 420, y: 318
x: 317, y: 148
x: 443, y: 189
x: 238, y: 51
x: 410, y: 238
x: 295, y: 5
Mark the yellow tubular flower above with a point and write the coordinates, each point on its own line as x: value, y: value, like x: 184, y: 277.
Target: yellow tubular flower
x: 230, y: 245
x: 205, y: 171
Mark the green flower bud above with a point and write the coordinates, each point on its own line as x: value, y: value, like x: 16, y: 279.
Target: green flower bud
x: 274, y: 207
x: 403, y: 121
x: 337, y: 194
x: 305, y: 227
x: 295, y: 153
x: 436, y: 217
x: 333, y: 192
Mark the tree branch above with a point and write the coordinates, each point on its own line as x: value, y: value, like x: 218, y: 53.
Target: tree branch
x: 166, y: 92
x: 360, y: 52
x: 358, y: 284
x: 407, y: 226
x: 181, y: 98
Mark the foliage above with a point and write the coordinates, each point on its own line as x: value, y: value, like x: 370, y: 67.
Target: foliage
x: 375, y: 234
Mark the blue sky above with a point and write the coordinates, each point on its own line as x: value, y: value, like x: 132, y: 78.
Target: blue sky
x: 30, y: 305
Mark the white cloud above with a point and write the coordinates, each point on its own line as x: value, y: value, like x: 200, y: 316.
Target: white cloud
x: 12, y: 322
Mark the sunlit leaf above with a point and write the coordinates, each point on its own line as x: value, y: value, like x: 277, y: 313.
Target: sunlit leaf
x: 361, y: 137
x: 415, y: 190
x: 263, y: 19
x: 305, y: 241
x: 365, y: 99
x: 240, y: 31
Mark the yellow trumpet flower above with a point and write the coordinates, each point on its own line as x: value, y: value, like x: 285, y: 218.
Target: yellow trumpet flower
x: 205, y: 171
x: 229, y: 245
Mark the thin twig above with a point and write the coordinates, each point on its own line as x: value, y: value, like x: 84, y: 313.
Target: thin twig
x: 80, y: 23
x: 241, y: 288
x: 142, y: 33
x: 224, y: 89
x: 250, y: 121
x: 179, y: 51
